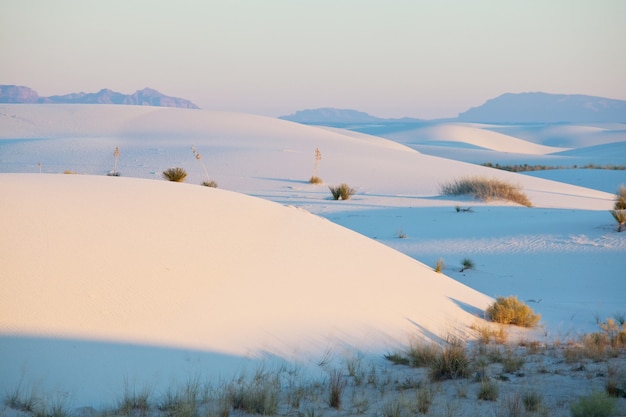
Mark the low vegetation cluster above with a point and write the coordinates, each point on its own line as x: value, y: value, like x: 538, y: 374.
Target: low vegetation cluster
x: 529, y: 168
x: 486, y: 189
x: 488, y: 375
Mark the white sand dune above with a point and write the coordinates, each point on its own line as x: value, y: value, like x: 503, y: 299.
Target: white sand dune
x: 179, y: 265
x: 112, y: 267
x: 473, y: 135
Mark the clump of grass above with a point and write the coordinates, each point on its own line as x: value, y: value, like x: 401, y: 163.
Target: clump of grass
x: 424, y: 398
x: 342, y: 191
x: 532, y: 400
x: 509, y: 310
x: 488, y: 390
x: 439, y: 266
x: 451, y: 363
x: 259, y: 395
x: 401, y: 235
x: 69, y: 171
x: 616, y: 381
x: 596, y: 404
x: 466, y: 264
x: 133, y: 401
x: 486, y: 189
x: 315, y: 179
x: 422, y: 354
x: 337, y: 385
x: 175, y: 174
x: 512, y: 363
x: 19, y: 400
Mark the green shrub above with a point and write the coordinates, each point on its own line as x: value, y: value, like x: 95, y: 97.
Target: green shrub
x: 175, y: 174
x: 596, y: 404
x: 486, y: 189
x: 342, y: 191
x: 509, y: 310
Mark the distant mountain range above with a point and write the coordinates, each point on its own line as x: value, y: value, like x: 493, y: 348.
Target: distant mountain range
x: 507, y: 108
x: 145, y: 97
x: 340, y: 117
x: 547, y: 108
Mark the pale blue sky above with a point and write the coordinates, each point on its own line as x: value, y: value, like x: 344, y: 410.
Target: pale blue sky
x: 390, y: 58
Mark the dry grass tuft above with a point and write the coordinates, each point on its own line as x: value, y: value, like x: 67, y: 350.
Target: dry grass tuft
x: 486, y: 189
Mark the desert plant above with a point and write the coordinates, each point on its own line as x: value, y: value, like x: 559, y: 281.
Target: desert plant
x: 175, y: 174
x: 337, y: 385
x: 596, y: 404
x: 509, y: 310
x: 258, y: 395
x: 512, y: 363
x: 401, y: 235
x: 620, y: 218
x: 424, y: 398
x: 486, y: 189
x: 466, y: 264
x: 451, y: 363
x: 209, y: 182
x: 422, y: 354
x: 532, y: 400
x: 69, y: 171
x: 488, y: 390
x: 616, y: 381
x: 439, y: 266
x: 620, y: 198
x: 342, y: 191
x: 133, y: 401
x: 315, y: 179
x: 116, y: 155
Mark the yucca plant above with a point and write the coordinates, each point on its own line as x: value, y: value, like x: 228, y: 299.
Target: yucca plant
x: 208, y: 182
x: 620, y: 218
x: 342, y: 191
x: 315, y: 179
x: 176, y: 174
x: 116, y: 155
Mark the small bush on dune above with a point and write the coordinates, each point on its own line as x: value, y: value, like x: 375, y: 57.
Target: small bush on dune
x: 315, y: 180
x: 210, y: 183
x: 596, y: 404
x: 509, y: 310
x: 451, y: 363
x: 342, y: 191
x: 486, y: 189
x: 175, y: 174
